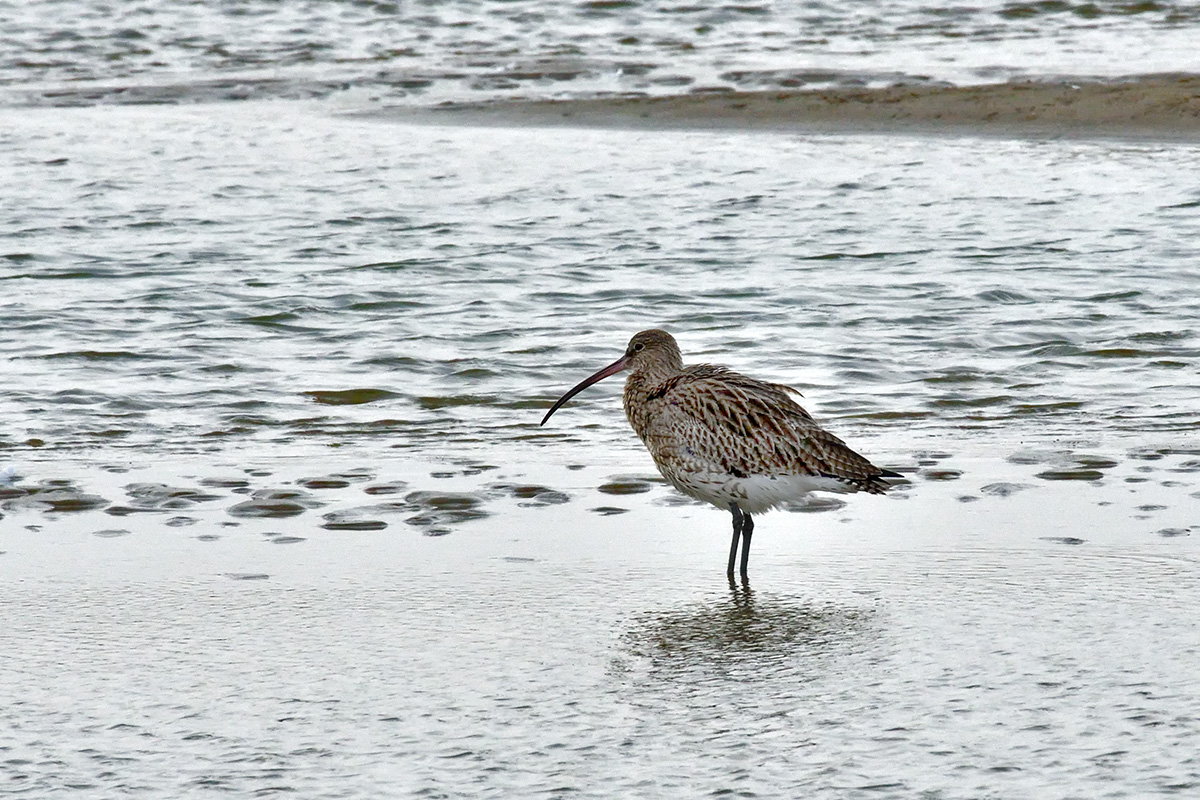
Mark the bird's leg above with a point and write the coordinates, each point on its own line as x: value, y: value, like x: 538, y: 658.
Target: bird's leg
x: 737, y: 532
x: 747, y: 530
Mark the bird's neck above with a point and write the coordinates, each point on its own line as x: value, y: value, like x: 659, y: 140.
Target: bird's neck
x: 642, y: 388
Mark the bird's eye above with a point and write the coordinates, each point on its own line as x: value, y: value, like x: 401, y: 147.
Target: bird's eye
x: 639, y: 346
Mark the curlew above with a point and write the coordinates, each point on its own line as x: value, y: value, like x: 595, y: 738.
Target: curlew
x: 742, y: 444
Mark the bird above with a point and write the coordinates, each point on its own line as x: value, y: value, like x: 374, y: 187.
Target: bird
x: 727, y: 439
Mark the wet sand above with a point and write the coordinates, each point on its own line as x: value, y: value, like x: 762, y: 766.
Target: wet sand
x: 1163, y: 107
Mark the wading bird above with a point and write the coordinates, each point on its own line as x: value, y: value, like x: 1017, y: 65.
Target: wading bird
x: 733, y: 441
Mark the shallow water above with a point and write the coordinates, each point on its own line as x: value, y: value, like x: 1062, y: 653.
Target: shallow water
x: 278, y: 515
x: 81, y: 53
x: 887, y: 649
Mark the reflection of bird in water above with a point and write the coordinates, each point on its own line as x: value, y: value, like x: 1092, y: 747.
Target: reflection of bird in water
x: 733, y: 441
x: 747, y: 633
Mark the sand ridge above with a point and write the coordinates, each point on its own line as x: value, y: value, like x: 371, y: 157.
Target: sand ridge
x: 1153, y: 106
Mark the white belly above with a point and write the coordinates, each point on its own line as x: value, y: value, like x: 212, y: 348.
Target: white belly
x: 753, y: 494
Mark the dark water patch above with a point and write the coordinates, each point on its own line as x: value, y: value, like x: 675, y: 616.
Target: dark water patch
x: 323, y: 483
x: 438, y: 511
x: 817, y: 504
x: 338, y: 480
x: 1052, y: 349
x: 1015, y: 11
x: 1032, y: 409
x: 279, y: 539
x: 180, y: 522
x: 353, y: 519
x: 1119, y: 352
x: 125, y: 511
x: 284, y: 322
x: 536, y: 495
x: 871, y: 256
x: 112, y: 433
x: 98, y: 355
x: 1070, y: 475
x: 246, y: 576
x: 972, y: 402
x: 349, y: 397
x: 225, y: 483
x: 1171, y: 533
x: 111, y: 533
x: 1186, y: 466
x: 608, y: 511
x: 399, y: 363
x: 53, y: 496
x: 1108, y: 297
x: 1071, y: 540
x: 161, y: 497
x: 1004, y: 297
x: 477, y: 469
x: 387, y: 305
x: 1095, y: 462
x: 475, y: 374
x: 275, y: 503
x: 941, y: 474
x: 454, y: 401
x: 394, y: 487
x: 1030, y: 457
x: 357, y: 219
x: 960, y: 375
x: 60, y: 274
x: 1002, y: 489
x: 1161, y: 337
x: 628, y: 485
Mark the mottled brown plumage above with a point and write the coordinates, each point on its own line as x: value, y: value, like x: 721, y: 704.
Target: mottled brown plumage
x: 727, y: 439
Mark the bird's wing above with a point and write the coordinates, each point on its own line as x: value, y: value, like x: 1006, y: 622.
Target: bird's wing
x: 745, y: 427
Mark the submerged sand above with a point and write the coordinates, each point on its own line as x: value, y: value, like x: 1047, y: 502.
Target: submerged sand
x: 1155, y: 106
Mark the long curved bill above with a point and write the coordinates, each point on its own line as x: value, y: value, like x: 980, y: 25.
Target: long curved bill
x: 612, y: 369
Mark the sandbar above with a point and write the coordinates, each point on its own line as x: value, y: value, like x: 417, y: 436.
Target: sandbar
x: 1159, y: 107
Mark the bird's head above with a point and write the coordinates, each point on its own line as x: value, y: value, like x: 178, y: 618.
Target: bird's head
x: 653, y: 350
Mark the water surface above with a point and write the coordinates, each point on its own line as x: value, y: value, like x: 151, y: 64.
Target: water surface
x: 277, y: 515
